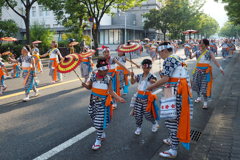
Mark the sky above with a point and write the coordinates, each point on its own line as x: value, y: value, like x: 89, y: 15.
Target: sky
x: 216, y: 10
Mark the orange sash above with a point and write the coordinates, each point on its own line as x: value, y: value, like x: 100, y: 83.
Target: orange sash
x: 184, y: 121
x: 1, y: 74
x: 125, y: 72
x: 208, y: 71
x: 54, y: 64
x: 37, y: 62
x: 85, y: 60
x: 28, y: 74
x: 113, y: 71
x: 150, y: 106
x: 105, y: 92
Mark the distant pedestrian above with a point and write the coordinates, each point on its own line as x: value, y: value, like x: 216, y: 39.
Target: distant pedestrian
x: 100, y: 108
x: 3, y: 71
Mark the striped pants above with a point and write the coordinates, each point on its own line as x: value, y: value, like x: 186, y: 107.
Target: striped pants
x: 172, y: 125
x: 96, y: 111
x: 140, y: 110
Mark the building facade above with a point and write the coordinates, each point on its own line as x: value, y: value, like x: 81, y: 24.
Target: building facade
x: 114, y: 30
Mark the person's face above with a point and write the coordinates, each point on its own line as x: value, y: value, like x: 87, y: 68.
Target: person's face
x: 202, y: 45
x: 106, y: 54
x: 103, y: 73
x: 53, y: 45
x: 146, y: 69
x: 24, y: 51
x: 120, y: 53
x: 163, y: 53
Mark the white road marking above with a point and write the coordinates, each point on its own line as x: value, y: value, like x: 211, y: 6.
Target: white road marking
x: 65, y: 145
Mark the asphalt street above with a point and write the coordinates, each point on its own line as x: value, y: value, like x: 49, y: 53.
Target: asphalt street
x: 30, y: 129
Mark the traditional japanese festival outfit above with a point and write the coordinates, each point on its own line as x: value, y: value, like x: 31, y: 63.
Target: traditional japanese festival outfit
x: 53, y: 54
x: 213, y: 47
x: 152, y: 51
x: 86, y: 67
x: 202, y: 75
x: 16, y: 70
x: 195, y: 47
x: 187, y: 49
x: 123, y: 74
x: 176, y: 105
x: 225, y: 50
x: 100, y: 108
x: 2, y: 76
x: 147, y: 47
x: 28, y: 74
x: 144, y: 103
x: 38, y: 63
x: 112, y: 72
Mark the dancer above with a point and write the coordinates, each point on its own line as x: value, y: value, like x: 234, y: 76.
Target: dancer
x: 29, y: 74
x: 100, y: 107
x: 35, y: 54
x: 86, y: 66
x: 53, y: 54
x: 3, y: 69
x: 176, y: 91
x: 202, y: 74
x: 144, y: 98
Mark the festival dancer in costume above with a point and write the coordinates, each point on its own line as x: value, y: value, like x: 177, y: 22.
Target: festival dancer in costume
x: 53, y: 54
x: 100, y: 108
x: 232, y: 48
x: 29, y: 74
x: 225, y: 49
x: 16, y: 71
x: 202, y: 74
x: 187, y: 49
x: 213, y: 47
x: 123, y: 74
x: 177, y: 95
x: 35, y: 54
x: 144, y: 104
x: 86, y: 66
x: 112, y: 61
x: 3, y: 69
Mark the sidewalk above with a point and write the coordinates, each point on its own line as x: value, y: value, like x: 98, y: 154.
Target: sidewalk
x: 220, y: 139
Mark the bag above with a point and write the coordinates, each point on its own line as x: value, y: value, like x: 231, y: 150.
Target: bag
x: 168, y: 108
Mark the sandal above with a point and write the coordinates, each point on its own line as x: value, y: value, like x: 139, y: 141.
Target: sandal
x: 204, y: 107
x: 197, y: 100
x: 167, y: 154
x: 96, y: 147
x: 167, y: 141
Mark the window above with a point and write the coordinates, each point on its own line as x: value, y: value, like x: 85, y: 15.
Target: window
x: 102, y: 37
x: 47, y: 12
x: 106, y: 36
x: 111, y: 36
x: 34, y: 11
x: 55, y: 25
x: 41, y: 11
x: 47, y: 25
x: 116, y: 36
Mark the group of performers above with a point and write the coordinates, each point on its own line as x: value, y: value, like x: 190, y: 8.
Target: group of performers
x: 176, y: 104
x: 111, y: 76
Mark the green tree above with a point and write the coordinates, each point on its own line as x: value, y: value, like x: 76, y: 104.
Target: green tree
x: 230, y: 30
x: 8, y: 28
x: 39, y: 32
x: 24, y: 13
x: 92, y: 8
x: 207, y: 26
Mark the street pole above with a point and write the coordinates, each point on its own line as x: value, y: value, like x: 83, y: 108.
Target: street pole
x: 125, y: 37
x: 91, y: 34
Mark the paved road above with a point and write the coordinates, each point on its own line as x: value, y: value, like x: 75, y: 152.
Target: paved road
x: 30, y: 129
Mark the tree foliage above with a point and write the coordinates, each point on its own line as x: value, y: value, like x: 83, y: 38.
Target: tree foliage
x: 39, y: 32
x: 177, y: 16
x: 8, y: 28
x: 230, y: 30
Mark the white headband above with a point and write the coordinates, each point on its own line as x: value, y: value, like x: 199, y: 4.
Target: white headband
x: 103, y: 68
x: 162, y: 47
x: 106, y: 49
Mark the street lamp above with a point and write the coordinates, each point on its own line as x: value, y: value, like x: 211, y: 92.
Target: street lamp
x: 125, y: 32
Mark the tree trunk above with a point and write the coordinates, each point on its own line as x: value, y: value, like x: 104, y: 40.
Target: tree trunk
x: 27, y: 25
x: 164, y: 36
x: 95, y: 37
